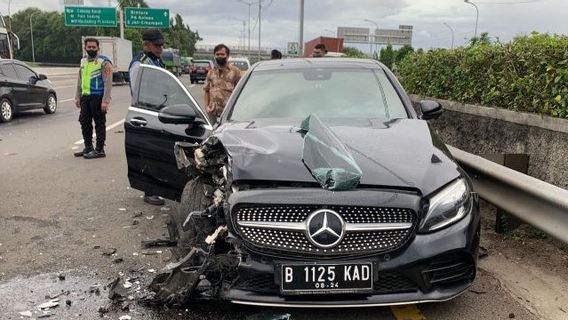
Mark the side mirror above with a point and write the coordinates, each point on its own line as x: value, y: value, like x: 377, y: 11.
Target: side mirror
x: 42, y: 77
x: 177, y: 114
x: 430, y: 109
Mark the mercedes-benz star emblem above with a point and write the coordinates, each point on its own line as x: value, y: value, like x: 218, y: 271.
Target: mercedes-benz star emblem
x: 325, y: 228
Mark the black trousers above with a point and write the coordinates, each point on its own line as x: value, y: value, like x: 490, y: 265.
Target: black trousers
x: 91, y: 110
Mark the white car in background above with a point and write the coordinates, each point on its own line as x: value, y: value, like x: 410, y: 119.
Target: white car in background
x: 242, y: 63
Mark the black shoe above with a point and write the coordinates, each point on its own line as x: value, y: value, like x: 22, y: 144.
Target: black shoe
x: 154, y: 200
x: 95, y: 154
x: 83, y: 152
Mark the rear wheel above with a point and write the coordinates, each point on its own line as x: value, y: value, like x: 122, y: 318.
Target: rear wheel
x: 51, y: 104
x: 6, y: 110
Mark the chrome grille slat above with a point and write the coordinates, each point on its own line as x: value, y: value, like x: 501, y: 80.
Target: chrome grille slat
x: 368, y: 229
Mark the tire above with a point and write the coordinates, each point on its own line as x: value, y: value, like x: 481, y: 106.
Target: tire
x: 193, y: 198
x: 50, y: 104
x: 6, y: 110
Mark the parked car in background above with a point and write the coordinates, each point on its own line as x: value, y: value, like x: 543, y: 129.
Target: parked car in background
x: 21, y: 89
x: 199, y: 69
x: 242, y: 63
x: 186, y: 63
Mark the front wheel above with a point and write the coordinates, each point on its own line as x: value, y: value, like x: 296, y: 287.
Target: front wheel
x: 193, y: 198
x: 51, y: 104
x: 6, y: 110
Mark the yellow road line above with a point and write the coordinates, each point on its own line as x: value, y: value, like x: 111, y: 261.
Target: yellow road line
x: 407, y: 312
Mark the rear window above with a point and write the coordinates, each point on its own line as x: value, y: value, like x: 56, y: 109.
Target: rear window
x: 240, y: 64
x: 327, y: 92
x: 202, y: 64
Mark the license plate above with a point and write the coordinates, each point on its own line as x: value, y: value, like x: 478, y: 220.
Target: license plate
x: 327, y: 278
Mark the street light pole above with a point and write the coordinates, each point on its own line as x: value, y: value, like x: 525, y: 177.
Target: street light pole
x: 32, y: 35
x: 259, y: 25
x: 476, y: 15
x: 452, y: 30
x: 301, y: 38
x: 9, y: 16
x: 377, y: 28
x: 249, y: 4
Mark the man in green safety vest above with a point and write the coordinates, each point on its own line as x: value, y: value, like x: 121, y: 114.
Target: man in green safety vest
x: 93, y: 98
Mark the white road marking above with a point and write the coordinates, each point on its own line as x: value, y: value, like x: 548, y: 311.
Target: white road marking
x: 66, y: 100
x: 57, y: 88
x: 112, y: 126
x: 193, y: 85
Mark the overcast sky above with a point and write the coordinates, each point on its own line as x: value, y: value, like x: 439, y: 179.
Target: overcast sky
x: 221, y: 20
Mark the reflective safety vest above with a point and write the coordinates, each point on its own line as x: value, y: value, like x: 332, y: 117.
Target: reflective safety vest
x: 92, y: 82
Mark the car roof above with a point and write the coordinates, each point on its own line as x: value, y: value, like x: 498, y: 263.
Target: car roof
x: 209, y: 61
x: 239, y: 59
x: 308, y: 63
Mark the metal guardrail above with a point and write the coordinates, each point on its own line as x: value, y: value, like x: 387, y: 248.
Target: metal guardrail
x: 534, y: 201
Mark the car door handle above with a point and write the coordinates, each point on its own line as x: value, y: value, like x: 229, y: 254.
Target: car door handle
x: 138, y: 122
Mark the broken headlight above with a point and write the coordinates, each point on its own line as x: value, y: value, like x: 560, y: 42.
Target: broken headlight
x: 447, y: 206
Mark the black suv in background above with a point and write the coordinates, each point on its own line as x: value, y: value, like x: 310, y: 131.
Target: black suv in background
x: 198, y: 71
x: 23, y: 89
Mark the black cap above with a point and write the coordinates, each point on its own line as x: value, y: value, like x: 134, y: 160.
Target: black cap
x: 154, y: 35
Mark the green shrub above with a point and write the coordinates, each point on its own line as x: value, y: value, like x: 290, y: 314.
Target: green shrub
x: 528, y: 74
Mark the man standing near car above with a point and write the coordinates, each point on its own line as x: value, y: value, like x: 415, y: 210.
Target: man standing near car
x: 220, y: 82
x: 319, y: 51
x: 153, y: 44
x: 94, y: 86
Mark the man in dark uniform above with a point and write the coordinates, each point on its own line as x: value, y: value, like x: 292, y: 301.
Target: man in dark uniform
x: 94, y: 85
x: 152, y: 50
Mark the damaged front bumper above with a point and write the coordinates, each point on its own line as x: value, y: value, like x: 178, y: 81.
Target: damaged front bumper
x: 432, y: 268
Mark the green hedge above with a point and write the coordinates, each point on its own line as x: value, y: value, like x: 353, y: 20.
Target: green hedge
x: 528, y: 74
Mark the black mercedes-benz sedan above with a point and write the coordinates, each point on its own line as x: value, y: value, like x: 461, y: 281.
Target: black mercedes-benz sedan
x: 21, y: 89
x: 319, y: 186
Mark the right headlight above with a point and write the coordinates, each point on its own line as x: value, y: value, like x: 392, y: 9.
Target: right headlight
x: 448, y: 206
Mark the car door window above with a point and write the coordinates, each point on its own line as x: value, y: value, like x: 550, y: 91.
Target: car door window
x: 9, y: 71
x: 158, y: 89
x: 24, y: 73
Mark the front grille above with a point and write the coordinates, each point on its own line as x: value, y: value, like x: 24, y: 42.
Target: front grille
x: 351, y: 214
x: 296, y: 241
x: 259, y: 282
x: 393, y: 282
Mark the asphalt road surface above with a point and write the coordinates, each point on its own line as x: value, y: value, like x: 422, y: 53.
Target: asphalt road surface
x: 60, y: 214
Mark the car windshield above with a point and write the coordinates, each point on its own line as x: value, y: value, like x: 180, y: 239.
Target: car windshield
x: 202, y: 64
x: 327, y: 92
x: 240, y: 64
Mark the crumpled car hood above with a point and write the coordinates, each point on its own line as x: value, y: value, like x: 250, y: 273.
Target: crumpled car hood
x: 403, y: 153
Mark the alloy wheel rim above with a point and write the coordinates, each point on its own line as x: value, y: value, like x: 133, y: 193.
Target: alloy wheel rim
x: 52, y: 103
x: 6, y: 110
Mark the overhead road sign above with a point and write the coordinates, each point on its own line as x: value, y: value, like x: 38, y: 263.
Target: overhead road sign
x: 90, y: 16
x: 147, y: 18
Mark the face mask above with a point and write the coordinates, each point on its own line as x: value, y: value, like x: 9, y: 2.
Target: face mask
x: 221, y: 61
x: 92, y: 53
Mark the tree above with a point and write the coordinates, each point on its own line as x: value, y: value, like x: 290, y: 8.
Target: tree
x: 351, y: 52
x: 401, y: 53
x: 387, y: 56
x: 482, y: 39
